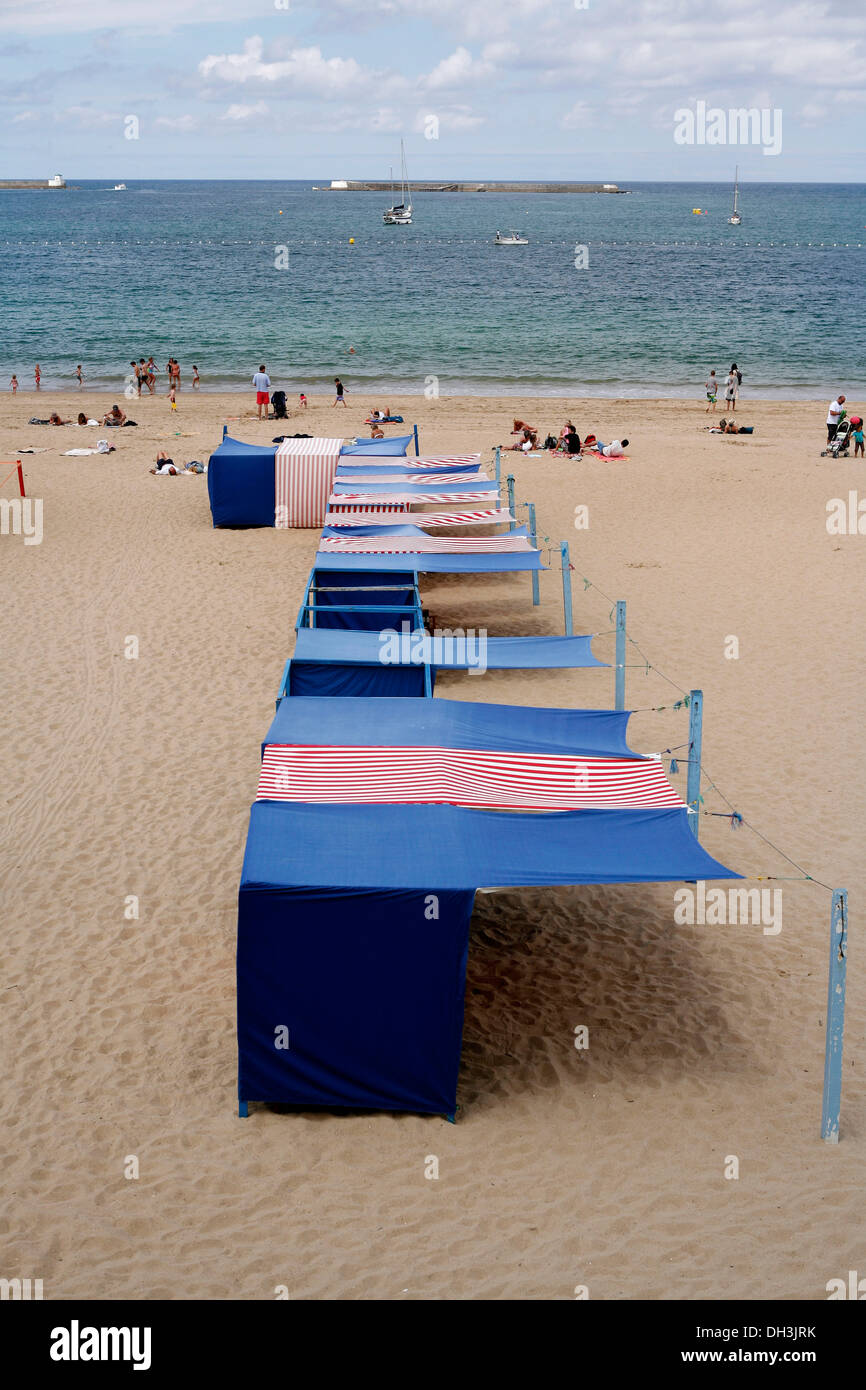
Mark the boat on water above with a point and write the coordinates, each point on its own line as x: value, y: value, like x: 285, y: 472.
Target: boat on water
x: 119, y: 188
x: 400, y: 214
x: 735, y: 219
x: 510, y: 239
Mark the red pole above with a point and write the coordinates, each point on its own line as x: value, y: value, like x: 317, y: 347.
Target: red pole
x: 21, y: 479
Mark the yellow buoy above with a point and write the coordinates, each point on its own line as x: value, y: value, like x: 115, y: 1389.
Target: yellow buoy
x: 351, y: 241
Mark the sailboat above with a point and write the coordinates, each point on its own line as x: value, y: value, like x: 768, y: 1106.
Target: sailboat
x: 735, y: 219
x: 400, y: 214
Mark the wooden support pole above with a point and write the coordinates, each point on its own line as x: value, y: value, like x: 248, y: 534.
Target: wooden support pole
x: 509, y: 482
x: 619, y: 684
x: 693, y: 781
x: 536, y: 597
x: 566, y: 589
x: 835, y: 1017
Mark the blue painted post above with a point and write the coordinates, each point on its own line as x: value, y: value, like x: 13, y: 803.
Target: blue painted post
x: 417, y: 450
x: 498, y: 466
x: 835, y: 1017
x: 509, y: 482
x: 566, y: 589
x: 693, y: 781
x: 243, y: 1109
x: 225, y: 430
x: 536, y: 598
x: 619, y: 696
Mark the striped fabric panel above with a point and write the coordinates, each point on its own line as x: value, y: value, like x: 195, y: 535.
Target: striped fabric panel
x: 491, y: 516
x: 422, y: 545
x: 353, y: 509
x: 410, y: 460
x: 304, y: 473
x: 398, y: 479
x: 461, y: 777
x: 404, y: 498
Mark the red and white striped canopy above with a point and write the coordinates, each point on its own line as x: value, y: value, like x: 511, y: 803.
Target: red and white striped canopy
x: 422, y: 461
x: 461, y: 777
x: 437, y: 479
x: 422, y: 545
x: 304, y: 473
x: 489, y: 516
x: 383, y: 499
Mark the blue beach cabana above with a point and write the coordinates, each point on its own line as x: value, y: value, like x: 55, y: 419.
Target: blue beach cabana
x: 353, y: 921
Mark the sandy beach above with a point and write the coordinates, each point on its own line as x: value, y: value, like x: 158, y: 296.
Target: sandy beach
x: 131, y: 778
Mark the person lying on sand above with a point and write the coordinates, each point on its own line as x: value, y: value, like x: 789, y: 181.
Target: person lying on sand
x: 167, y: 467
x: 614, y: 450
x: 115, y: 416
x: 54, y: 419
x: 728, y: 427
x: 376, y: 432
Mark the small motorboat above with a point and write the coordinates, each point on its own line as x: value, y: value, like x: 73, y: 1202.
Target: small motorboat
x: 510, y: 239
x: 120, y: 188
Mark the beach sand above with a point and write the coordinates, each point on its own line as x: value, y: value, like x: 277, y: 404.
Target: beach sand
x: 602, y: 1168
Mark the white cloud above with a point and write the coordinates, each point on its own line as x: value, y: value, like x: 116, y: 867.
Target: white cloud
x: 238, y: 112
x: 303, y: 71
x: 178, y: 123
x: 24, y: 116
x: 457, y: 71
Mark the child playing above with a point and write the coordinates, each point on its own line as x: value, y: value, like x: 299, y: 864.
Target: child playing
x: 13, y: 382
x: 302, y: 401
x: 171, y: 397
x: 196, y: 380
x: 857, y: 435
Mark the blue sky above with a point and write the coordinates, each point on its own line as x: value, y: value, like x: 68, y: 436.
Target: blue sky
x: 565, y: 89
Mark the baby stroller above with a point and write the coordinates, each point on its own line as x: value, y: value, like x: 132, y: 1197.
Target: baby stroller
x: 841, y: 441
x: 278, y: 401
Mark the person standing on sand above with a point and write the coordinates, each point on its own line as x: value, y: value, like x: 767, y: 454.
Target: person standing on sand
x: 171, y: 397
x: 732, y: 386
x: 196, y: 380
x: 13, y: 382
x: 834, y: 416
x: 38, y: 376
x: 144, y: 376
x: 262, y: 383
x: 712, y: 389
x: 339, y: 399
x: 137, y: 372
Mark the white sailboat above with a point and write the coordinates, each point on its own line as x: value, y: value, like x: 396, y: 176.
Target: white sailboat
x: 735, y: 219
x: 400, y: 214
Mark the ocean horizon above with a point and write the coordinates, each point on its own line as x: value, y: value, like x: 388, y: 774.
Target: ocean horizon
x: 633, y: 295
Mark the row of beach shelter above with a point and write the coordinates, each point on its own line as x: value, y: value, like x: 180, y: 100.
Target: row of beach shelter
x: 382, y: 808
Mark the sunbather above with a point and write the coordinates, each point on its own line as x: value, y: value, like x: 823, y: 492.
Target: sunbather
x: 115, y: 416
x: 54, y: 419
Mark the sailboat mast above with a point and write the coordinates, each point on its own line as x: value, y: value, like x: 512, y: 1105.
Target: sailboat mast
x: 736, y: 185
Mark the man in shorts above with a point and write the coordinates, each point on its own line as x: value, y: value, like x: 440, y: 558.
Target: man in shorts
x: 262, y: 383
x: 835, y: 414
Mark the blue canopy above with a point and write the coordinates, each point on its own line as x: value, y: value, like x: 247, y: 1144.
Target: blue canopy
x: 472, y: 484
x: 397, y: 444
x: 466, y: 563
x: 353, y: 930
x: 501, y: 653
x: 592, y: 733
x: 240, y: 484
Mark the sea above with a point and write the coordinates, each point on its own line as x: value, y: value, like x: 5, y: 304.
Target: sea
x: 636, y: 294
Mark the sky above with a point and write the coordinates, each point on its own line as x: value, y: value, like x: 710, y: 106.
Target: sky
x: 479, y: 89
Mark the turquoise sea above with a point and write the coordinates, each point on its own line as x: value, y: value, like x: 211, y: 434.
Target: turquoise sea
x: 185, y: 268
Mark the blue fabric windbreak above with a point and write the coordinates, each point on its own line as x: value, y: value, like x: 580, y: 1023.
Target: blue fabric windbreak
x: 351, y: 999
x: 374, y: 723
x: 375, y: 529
x: 466, y: 563
x: 335, y: 598
x: 500, y: 653
x: 240, y: 484
x: 432, y: 848
x: 397, y: 444
x: 314, y: 678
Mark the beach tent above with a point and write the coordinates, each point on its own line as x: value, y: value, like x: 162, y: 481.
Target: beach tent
x: 285, y: 485
x: 403, y: 661
x: 353, y: 919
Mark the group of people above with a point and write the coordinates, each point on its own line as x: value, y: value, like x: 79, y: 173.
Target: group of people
x: 115, y: 416
x: 733, y: 382
x: 568, y: 442
x: 264, y: 399
x: 37, y: 377
x: 144, y: 373
x: 836, y: 416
